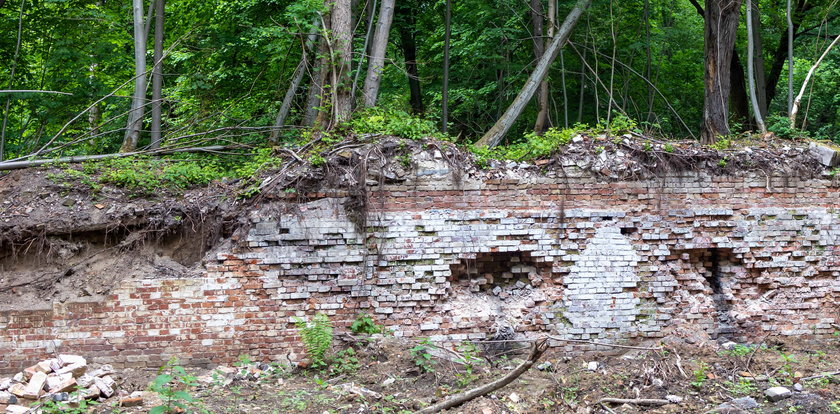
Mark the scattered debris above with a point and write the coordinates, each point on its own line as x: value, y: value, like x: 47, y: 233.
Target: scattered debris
x: 777, y: 393
x: 61, y: 379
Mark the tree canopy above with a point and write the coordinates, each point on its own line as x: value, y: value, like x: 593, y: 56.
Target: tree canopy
x: 227, y: 66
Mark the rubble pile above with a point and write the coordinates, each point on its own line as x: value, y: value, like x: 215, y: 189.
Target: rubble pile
x: 65, y: 379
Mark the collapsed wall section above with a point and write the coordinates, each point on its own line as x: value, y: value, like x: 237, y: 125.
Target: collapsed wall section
x: 494, y: 255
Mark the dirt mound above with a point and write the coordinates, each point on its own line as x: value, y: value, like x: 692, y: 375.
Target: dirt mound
x: 59, y: 240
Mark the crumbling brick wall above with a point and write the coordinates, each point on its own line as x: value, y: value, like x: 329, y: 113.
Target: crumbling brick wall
x: 567, y: 253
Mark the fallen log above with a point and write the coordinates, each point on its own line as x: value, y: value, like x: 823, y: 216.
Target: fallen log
x: 537, y: 350
x: 17, y: 165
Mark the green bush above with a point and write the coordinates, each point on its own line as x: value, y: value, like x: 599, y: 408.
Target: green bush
x: 393, y: 122
x: 422, y: 358
x: 780, y: 125
x: 166, y: 385
x: 317, y: 336
x: 345, y: 362
x: 364, y: 324
x: 148, y: 176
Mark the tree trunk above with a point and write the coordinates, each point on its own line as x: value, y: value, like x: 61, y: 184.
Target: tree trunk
x: 780, y: 55
x: 317, y: 96
x: 157, y: 74
x: 498, y: 131
x: 795, y: 107
x: 552, y: 25
x: 95, y: 114
x: 582, y: 85
x: 445, y: 89
x: 135, y: 116
x: 759, y: 120
x: 789, y: 58
x: 297, y: 78
x: 407, y: 30
x: 648, y: 60
x: 739, y: 100
x: 342, y: 47
x: 758, y: 66
x: 721, y: 28
x: 371, y: 15
x: 377, y: 55
x: 539, y: 50
x: 11, y: 81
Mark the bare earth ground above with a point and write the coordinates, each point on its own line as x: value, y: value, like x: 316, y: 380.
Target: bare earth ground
x: 389, y: 381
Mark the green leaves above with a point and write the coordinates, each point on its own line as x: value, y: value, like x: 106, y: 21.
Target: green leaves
x: 317, y: 336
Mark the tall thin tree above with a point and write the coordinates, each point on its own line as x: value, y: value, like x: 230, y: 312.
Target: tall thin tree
x: 447, y: 22
x: 757, y: 111
x: 503, y: 124
x: 790, y: 57
x: 796, y: 101
x: 135, y: 116
x: 407, y: 29
x: 157, y: 74
x: 342, y: 47
x: 539, y: 48
x: 297, y: 78
x: 377, y: 55
x: 11, y: 80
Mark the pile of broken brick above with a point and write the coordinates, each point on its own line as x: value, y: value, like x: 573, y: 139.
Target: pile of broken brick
x: 66, y: 379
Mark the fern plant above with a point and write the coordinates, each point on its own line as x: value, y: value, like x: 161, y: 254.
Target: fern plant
x: 317, y: 336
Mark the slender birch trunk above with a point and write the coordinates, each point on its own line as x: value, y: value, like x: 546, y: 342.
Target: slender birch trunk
x: 377, y: 55
x: 135, y: 116
x: 795, y: 107
x: 445, y: 89
x: 157, y: 74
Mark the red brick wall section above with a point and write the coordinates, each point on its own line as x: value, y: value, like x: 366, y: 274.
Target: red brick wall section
x: 574, y: 256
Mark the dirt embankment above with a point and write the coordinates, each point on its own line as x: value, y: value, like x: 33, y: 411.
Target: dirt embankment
x: 60, y: 240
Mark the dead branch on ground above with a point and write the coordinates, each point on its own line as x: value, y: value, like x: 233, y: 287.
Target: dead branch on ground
x: 537, y: 350
x: 634, y: 401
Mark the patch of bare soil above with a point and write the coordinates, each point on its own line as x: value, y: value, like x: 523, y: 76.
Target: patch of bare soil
x: 61, y: 240
x: 690, y: 378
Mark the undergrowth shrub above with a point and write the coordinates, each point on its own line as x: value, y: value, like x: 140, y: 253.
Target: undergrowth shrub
x: 171, y: 385
x: 345, y: 362
x: 317, y: 336
x: 147, y: 176
x: 364, y: 324
x: 393, y: 122
x: 422, y: 358
x: 780, y: 125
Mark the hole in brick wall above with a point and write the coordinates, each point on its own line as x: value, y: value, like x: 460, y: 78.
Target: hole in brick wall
x: 716, y: 268
x: 500, y: 273
x: 628, y: 230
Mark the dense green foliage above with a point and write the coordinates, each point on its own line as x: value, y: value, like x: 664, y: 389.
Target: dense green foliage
x: 229, y: 63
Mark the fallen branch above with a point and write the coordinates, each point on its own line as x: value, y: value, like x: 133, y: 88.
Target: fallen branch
x: 823, y: 375
x: 537, y: 350
x: 634, y: 401
x: 33, y: 91
x: 16, y: 165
